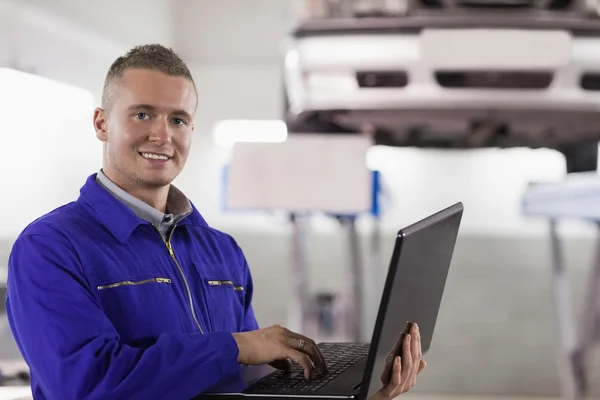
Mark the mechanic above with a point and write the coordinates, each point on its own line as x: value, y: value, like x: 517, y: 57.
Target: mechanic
x: 127, y: 292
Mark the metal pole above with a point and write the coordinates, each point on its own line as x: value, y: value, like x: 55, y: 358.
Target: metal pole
x: 564, y: 319
x: 356, y: 284
x: 299, y: 307
x: 373, y: 278
x: 590, y: 321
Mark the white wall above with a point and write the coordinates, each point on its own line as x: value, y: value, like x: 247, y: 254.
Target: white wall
x: 231, y: 32
x: 490, y: 182
x: 74, y: 42
x: 123, y: 23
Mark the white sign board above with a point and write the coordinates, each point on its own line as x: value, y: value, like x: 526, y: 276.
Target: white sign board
x: 577, y: 196
x: 306, y: 173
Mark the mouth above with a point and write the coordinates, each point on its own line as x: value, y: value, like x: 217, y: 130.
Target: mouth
x: 155, y: 156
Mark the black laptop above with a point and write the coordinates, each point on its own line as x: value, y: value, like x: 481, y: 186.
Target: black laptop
x: 413, y: 292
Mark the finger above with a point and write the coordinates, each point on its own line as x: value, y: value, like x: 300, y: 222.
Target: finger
x: 392, y: 389
x: 397, y: 345
x: 422, y: 365
x: 418, y: 335
x: 397, y: 375
x: 387, y: 369
x: 414, y: 381
x: 416, y: 353
x: 407, y: 362
x: 321, y: 363
x: 310, y: 348
x: 385, y: 376
x: 304, y: 361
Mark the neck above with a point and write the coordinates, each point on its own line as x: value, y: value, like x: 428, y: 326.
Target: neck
x: 155, y: 197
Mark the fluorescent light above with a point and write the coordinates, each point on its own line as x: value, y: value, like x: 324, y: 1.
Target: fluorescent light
x: 35, y: 96
x: 229, y: 132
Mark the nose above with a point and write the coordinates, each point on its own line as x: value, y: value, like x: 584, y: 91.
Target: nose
x: 160, y: 132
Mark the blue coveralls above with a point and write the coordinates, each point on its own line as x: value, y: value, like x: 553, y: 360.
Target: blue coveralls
x: 102, y: 307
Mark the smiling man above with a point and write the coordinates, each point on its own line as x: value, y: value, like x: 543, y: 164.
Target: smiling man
x: 127, y: 292
x: 143, y: 155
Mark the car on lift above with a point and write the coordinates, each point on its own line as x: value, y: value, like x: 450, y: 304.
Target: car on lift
x: 449, y: 73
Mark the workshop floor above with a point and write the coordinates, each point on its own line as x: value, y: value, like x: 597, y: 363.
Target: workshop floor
x: 442, y: 397
x: 21, y: 394
x: 405, y: 397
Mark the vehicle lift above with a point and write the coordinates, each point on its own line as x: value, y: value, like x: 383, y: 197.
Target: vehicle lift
x: 576, y: 197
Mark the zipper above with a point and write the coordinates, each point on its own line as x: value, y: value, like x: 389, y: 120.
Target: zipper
x: 187, y: 286
x: 131, y: 283
x: 219, y: 283
x: 228, y: 283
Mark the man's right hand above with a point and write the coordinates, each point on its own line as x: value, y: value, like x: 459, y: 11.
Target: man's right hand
x: 267, y: 345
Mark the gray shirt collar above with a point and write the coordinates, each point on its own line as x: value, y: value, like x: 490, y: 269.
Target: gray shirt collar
x: 178, y: 205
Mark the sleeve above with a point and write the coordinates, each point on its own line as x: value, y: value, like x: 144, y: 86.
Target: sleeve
x: 73, y: 350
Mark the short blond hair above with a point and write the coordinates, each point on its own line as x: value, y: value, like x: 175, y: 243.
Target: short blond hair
x: 149, y: 56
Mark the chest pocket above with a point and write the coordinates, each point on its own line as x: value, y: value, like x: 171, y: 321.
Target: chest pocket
x: 140, y: 302
x: 224, y: 296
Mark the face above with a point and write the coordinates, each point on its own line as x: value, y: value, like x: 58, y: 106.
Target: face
x: 147, y: 132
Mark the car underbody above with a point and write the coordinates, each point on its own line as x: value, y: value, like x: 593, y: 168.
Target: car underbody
x: 374, y: 78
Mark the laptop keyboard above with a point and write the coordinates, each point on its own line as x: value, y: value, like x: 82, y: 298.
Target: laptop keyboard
x: 339, y: 357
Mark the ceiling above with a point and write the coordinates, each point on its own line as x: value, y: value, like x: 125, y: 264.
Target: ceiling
x: 74, y: 41
x: 227, y: 32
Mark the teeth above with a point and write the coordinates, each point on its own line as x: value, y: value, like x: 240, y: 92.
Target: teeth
x: 154, y: 156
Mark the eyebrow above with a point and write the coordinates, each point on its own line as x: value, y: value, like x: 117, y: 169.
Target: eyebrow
x: 181, y: 113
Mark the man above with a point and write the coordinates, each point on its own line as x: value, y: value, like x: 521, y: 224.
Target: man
x: 127, y: 292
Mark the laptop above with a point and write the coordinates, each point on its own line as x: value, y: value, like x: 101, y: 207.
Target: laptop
x: 413, y: 292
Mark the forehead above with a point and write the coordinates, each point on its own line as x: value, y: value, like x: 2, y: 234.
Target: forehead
x: 142, y: 86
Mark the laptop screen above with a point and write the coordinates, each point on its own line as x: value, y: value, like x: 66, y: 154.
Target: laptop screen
x: 414, y: 287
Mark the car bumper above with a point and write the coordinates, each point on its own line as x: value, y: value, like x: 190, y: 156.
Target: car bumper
x: 320, y: 75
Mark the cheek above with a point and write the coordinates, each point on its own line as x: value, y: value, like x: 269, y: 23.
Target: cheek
x: 183, y: 143
x: 127, y: 135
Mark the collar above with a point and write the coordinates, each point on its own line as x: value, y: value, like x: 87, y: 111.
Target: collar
x: 117, y: 217
x: 178, y: 205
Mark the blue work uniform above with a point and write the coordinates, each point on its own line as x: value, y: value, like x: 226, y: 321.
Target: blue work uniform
x: 106, y: 304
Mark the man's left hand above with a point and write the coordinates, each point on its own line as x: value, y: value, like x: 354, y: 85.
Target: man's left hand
x: 404, y: 371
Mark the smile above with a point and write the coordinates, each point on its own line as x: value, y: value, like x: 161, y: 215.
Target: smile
x: 153, y: 156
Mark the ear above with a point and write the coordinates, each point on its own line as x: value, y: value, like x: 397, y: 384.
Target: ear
x: 100, y: 123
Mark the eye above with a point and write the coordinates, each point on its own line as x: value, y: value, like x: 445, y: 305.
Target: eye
x: 141, y: 115
x: 179, y: 121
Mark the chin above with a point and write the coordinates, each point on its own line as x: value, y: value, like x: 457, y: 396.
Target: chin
x: 157, y: 181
